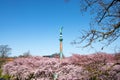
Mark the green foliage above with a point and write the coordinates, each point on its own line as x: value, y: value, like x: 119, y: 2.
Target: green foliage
x: 6, y: 76
x: 1, y: 62
x: 0, y: 72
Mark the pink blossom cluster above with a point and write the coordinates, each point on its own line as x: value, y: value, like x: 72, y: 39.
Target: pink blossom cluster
x: 100, y: 66
x: 39, y: 68
x: 92, y: 58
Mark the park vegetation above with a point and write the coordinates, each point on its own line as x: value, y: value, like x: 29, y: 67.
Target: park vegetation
x: 97, y: 66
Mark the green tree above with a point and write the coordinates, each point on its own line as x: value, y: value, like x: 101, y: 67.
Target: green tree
x: 4, y: 51
x: 106, y: 22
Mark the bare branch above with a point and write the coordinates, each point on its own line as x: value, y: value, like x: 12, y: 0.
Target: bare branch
x: 106, y: 9
x: 107, y: 17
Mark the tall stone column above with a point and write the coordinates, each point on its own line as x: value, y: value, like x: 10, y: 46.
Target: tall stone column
x: 61, y: 46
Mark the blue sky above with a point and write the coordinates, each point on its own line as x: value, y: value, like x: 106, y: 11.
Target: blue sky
x: 34, y: 25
